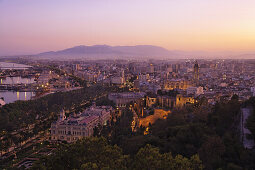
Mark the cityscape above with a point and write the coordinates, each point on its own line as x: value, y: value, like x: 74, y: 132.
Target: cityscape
x: 126, y: 105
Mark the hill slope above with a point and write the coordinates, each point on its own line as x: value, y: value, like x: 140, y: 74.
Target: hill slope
x: 105, y: 51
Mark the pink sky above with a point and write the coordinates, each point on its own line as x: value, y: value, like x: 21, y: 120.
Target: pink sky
x: 34, y: 26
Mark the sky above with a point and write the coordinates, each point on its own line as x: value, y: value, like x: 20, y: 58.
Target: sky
x: 34, y: 26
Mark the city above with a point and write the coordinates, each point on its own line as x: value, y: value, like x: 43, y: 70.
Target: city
x: 85, y: 97
x: 125, y: 105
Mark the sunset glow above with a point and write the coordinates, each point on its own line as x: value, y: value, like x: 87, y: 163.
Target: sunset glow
x: 34, y: 26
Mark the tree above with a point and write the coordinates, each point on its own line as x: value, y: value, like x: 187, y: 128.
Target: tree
x: 88, y: 153
x: 150, y: 158
x: 211, y: 151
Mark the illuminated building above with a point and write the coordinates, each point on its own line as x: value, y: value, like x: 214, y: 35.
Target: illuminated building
x: 177, y: 100
x: 117, y: 80
x: 151, y: 100
x: 183, y: 100
x: 151, y: 68
x: 78, y: 126
x: 166, y: 101
x: 122, y: 99
x: 158, y: 114
x: 176, y: 84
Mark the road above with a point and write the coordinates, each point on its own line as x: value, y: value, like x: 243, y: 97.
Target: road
x: 11, y: 149
x: 36, y: 139
x: 247, y: 143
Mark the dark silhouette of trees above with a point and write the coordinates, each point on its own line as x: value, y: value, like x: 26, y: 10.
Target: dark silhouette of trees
x: 96, y: 153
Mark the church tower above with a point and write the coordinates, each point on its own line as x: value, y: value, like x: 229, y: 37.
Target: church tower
x: 196, y: 73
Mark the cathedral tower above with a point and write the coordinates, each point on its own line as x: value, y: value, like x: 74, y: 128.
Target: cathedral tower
x: 196, y: 73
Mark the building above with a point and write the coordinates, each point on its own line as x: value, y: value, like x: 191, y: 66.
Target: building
x: 44, y: 78
x: 151, y: 68
x: 172, y: 101
x: 122, y: 99
x: 117, y: 80
x: 196, y: 73
x: 253, y: 91
x: 166, y: 101
x: 143, y: 77
x: 136, y: 84
x: 81, y: 125
x: 151, y: 100
x: 76, y: 67
x: 169, y: 68
x: 184, y: 100
x: 176, y: 84
x: 195, y: 91
x: 90, y: 76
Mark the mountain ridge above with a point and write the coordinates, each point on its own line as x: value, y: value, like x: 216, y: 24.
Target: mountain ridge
x: 109, y: 51
x: 136, y: 52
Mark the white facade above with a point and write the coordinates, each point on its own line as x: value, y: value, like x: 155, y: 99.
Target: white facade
x: 82, y: 125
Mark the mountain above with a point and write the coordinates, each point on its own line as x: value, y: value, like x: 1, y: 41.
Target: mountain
x: 105, y: 51
x: 135, y: 52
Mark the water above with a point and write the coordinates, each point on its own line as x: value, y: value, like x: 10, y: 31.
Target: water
x: 4, y: 65
x: 16, y: 80
x: 12, y: 96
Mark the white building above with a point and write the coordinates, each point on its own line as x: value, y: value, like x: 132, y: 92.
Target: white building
x: 122, y: 99
x: 78, y: 126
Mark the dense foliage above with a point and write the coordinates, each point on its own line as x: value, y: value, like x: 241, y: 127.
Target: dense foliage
x: 95, y: 153
x: 251, y: 120
x: 210, y: 131
x: 21, y: 113
x: 23, y: 119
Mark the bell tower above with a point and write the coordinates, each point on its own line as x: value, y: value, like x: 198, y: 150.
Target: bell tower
x: 196, y: 73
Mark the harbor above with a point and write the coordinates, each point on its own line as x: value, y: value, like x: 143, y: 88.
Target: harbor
x: 16, y: 86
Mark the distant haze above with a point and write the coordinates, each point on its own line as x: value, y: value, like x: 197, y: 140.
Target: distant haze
x: 131, y: 52
x: 199, y: 27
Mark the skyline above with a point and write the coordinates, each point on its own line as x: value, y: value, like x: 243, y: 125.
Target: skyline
x: 31, y: 27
